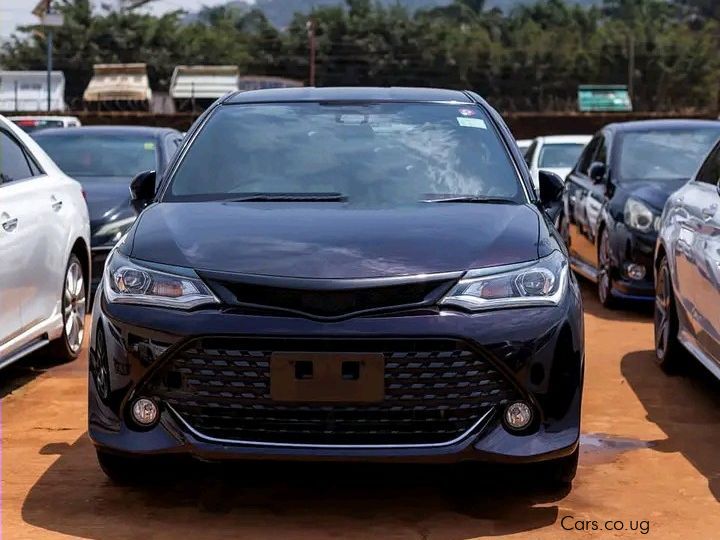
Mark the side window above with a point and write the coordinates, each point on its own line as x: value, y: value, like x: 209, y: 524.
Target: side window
x: 601, y: 154
x: 588, y: 154
x: 710, y: 171
x: 530, y: 152
x: 14, y: 164
x: 172, y: 143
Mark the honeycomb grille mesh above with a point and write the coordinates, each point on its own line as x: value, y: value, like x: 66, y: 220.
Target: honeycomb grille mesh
x: 435, y: 391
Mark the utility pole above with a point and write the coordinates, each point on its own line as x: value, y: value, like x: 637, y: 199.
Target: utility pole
x: 311, y: 38
x: 631, y: 66
x: 49, y: 65
x: 48, y: 20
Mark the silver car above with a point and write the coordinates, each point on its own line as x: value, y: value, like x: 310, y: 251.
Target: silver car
x: 687, y: 272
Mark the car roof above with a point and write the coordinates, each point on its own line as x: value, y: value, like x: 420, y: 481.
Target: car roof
x: 662, y: 124
x: 107, y: 130
x: 566, y: 139
x: 389, y: 94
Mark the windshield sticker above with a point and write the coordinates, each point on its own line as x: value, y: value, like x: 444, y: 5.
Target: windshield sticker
x: 149, y: 146
x: 467, y: 112
x: 476, y: 123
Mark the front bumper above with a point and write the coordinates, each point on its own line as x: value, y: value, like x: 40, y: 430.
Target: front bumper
x: 539, y: 350
x: 632, y: 247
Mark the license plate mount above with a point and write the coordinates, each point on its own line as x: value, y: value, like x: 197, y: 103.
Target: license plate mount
x: 327, y: 377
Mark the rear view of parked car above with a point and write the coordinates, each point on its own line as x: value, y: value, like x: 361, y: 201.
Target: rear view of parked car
x: 556, y: 153
x: 616, y: 193
x: 31, y: 124
x: 44, y: 252
x: 105, y: 159
x: 687, y: 266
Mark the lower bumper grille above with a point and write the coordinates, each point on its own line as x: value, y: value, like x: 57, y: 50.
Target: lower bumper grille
x: 435, y: 391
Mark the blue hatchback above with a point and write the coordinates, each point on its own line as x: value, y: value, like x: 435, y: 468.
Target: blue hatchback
x: 340, y: 274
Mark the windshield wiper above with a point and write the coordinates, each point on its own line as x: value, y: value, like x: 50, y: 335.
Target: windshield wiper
x: 471, y: 199
x: 291, y: 197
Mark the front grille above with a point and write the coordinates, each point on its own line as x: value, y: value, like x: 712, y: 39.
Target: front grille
x: 435, y: 390
x: 331, y: 303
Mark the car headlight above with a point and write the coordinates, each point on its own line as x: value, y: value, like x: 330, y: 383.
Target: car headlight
x: 127, y: 282
x: 542, y: 283
x: 638, y: 216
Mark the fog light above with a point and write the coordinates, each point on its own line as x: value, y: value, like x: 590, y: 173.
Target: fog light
x: 518, y: 415
x: 144, y: 412
x: 635, y: 271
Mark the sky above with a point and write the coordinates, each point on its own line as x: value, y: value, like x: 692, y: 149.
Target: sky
x: 14, y: 13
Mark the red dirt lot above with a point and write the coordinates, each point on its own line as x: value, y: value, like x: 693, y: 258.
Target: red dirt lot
x: 650, y: 466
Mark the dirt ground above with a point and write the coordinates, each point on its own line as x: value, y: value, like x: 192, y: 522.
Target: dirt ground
x: 650, y: 466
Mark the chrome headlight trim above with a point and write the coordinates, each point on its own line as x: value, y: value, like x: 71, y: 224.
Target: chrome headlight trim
x: 539, y: 283
x: 639, y: 216
x: 126, y: 281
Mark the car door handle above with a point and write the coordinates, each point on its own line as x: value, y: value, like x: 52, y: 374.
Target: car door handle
x: 55, y: 203
x: 9, y: 224
x: 709, y: 211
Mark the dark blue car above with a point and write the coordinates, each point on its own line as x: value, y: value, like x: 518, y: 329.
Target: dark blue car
x: 340, y: 274
x: 104, y: 159
x: 616, y: 193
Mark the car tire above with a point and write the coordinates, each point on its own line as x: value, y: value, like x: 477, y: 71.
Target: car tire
x: 130, y: 470
x: 604, y: 277
x: 669, y: 352
x: 73, y: 303
x: 560, y: 472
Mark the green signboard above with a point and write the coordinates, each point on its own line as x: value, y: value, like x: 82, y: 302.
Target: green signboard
x: 604, y: 98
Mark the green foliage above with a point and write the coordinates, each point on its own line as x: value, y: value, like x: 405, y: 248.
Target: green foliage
x: 527, y: 58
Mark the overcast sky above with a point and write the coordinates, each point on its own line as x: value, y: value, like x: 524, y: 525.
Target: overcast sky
x: 14, y: 13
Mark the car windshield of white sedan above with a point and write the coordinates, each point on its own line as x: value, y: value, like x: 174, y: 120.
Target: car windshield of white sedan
x: 664, y: 154
x: 100, y: 155
x: 367, y: 154
x: 560, y: 155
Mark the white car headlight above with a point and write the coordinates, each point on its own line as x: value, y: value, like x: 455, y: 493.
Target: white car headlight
x: 541, y: 283
x: 127, y: 282
x: 639, y: 216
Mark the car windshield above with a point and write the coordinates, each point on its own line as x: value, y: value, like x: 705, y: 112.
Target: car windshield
x: 366, y: 154
x: 664, y: 154
x: 95, y: 154
x: 560, y: 155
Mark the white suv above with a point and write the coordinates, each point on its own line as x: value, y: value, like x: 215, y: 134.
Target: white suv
x: 44, y: 242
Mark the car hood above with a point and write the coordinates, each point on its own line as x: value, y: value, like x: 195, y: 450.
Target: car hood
x: 329, y: 240
x: 108, y: 199
x: 653, y: 192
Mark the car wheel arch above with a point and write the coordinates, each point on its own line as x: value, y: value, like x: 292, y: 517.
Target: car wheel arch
x: 81, y: 250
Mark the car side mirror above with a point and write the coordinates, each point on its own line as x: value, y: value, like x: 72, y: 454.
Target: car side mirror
x: 551, y: 187
x: 142, y: 190
x: 597, y: 171
x: 551, y: 192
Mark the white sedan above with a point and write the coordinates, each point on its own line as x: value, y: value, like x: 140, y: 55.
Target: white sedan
x: 555, y: 153
x: 45, y: 246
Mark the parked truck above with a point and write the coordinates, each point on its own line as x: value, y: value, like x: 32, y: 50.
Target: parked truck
x: 123, y: 87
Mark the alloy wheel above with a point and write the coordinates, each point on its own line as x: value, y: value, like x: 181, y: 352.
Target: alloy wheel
x: 100, y: 365
x: 74, y: 306
x: 604, y: 283
x: 662, y: 312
